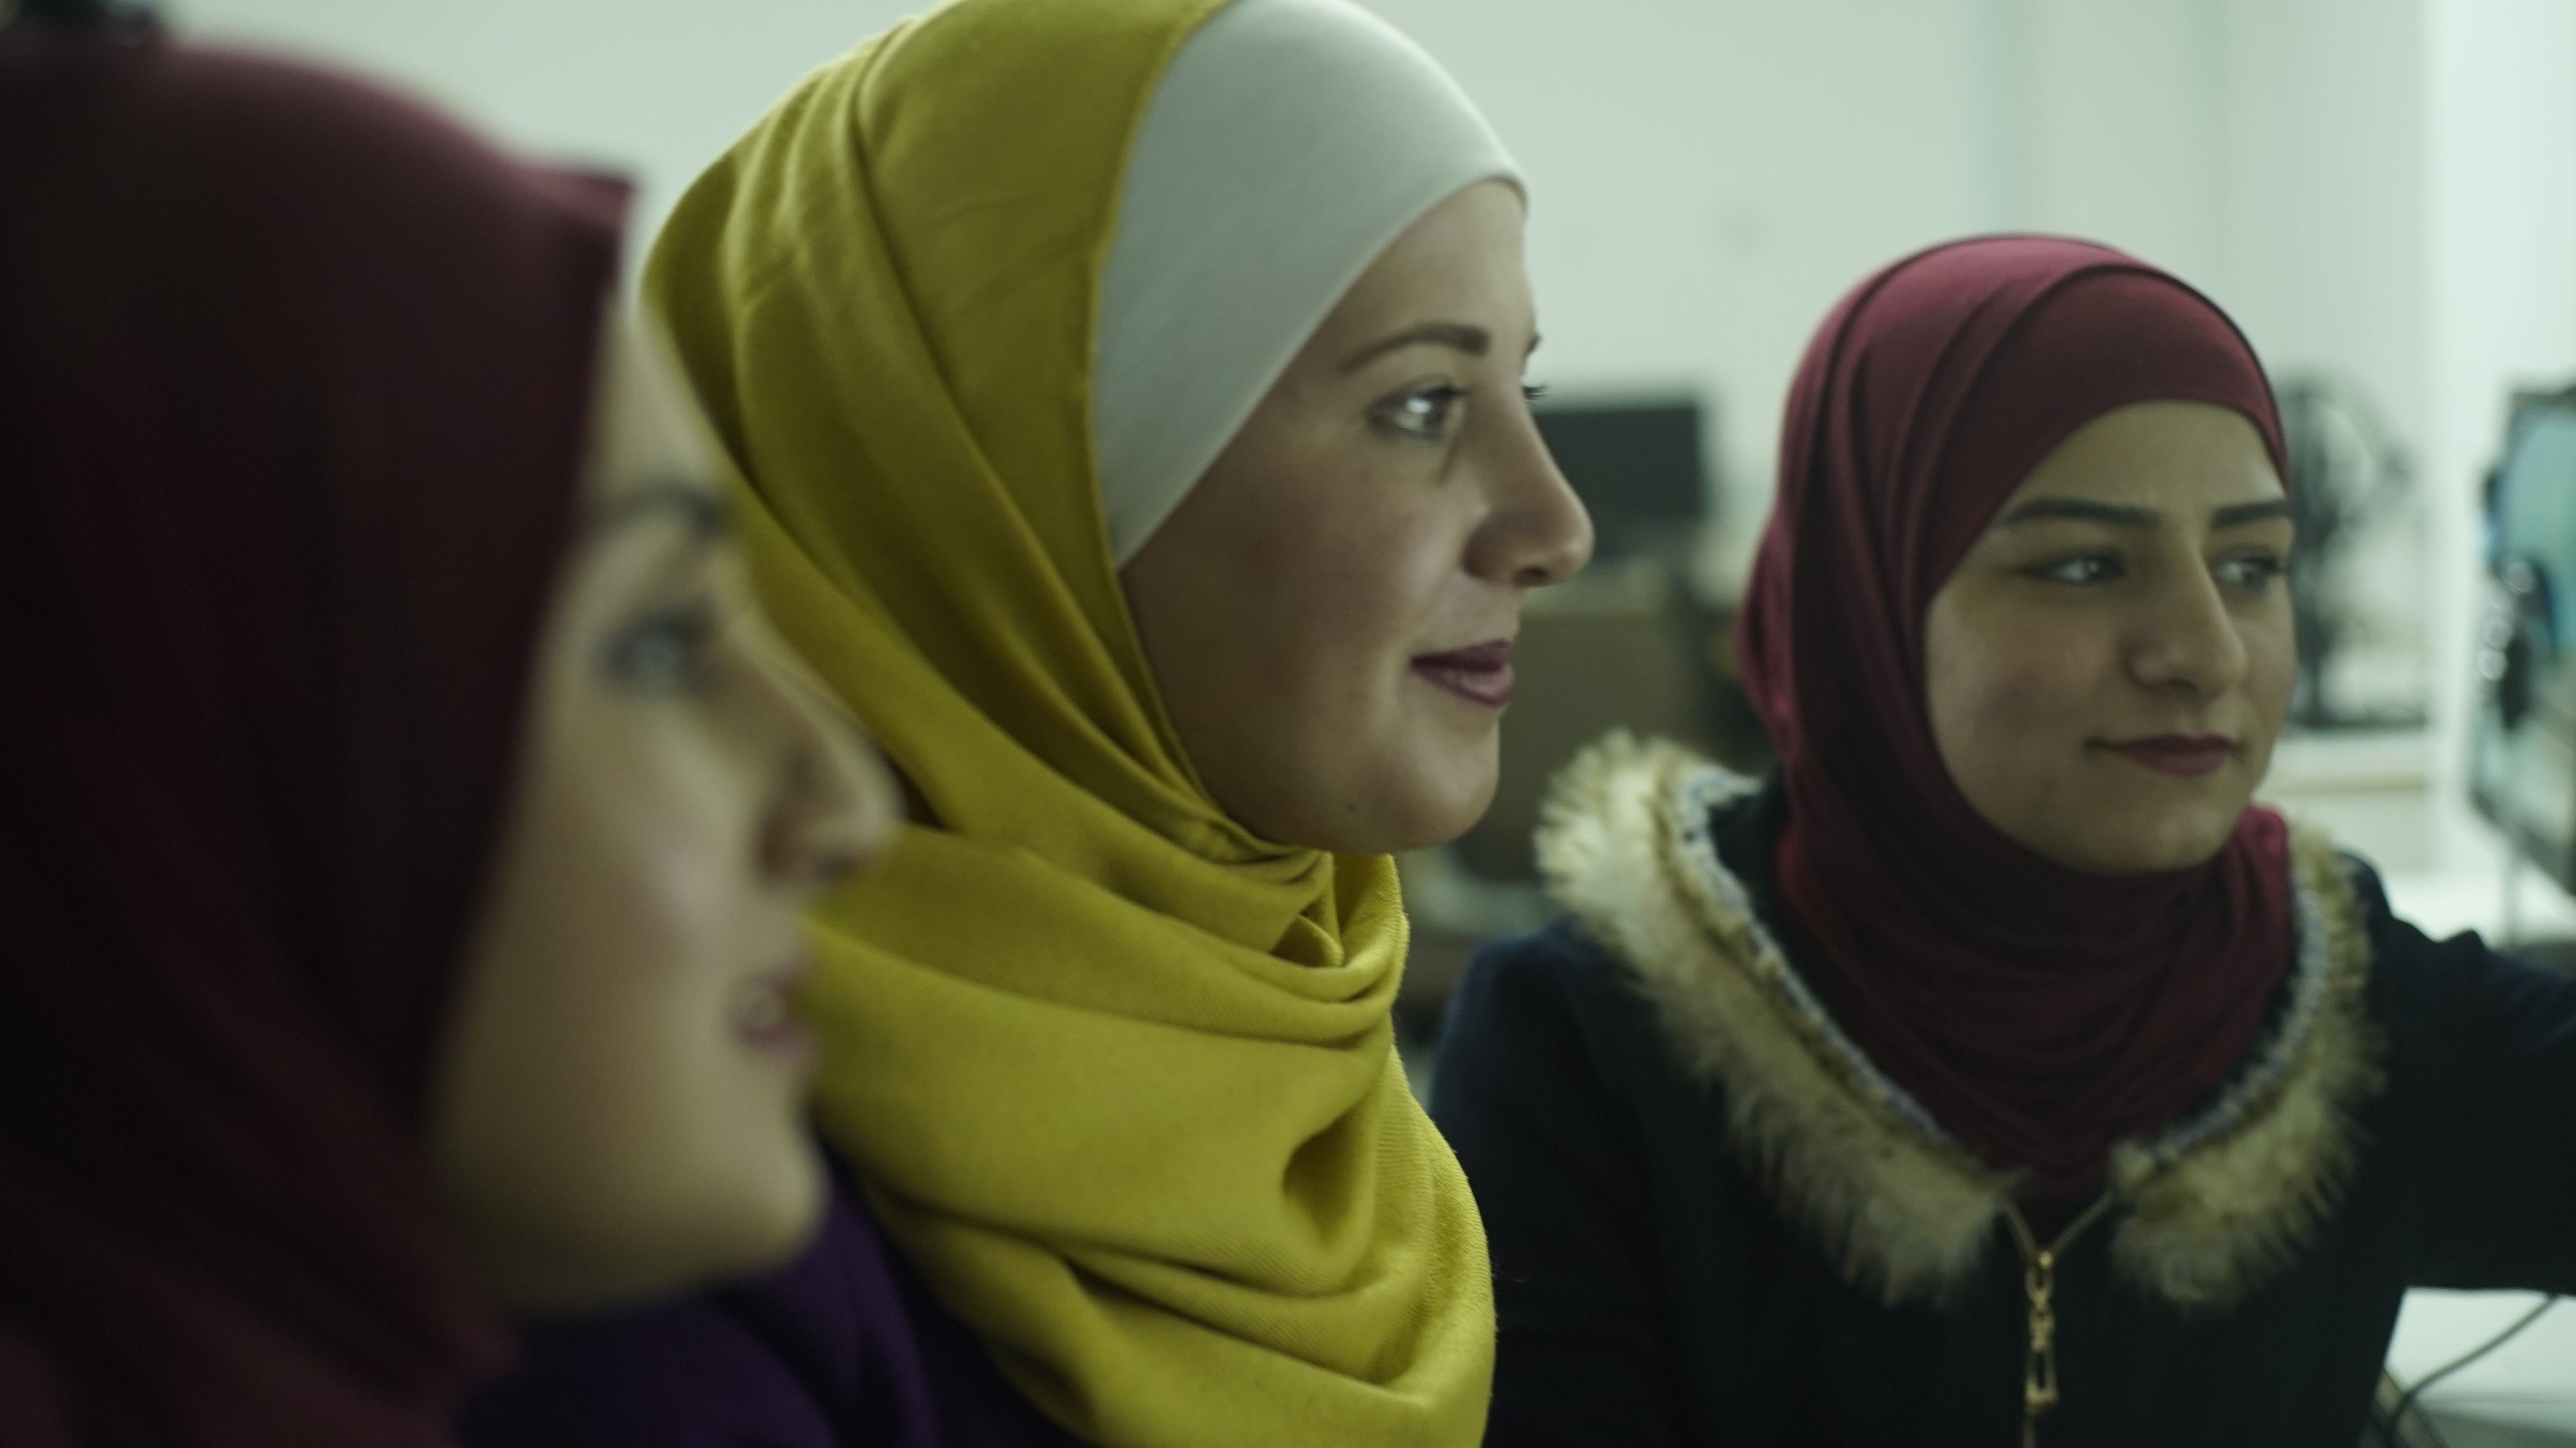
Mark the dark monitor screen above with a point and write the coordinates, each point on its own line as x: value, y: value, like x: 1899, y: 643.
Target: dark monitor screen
x: 2522, y: 742
x: 1638, y: 467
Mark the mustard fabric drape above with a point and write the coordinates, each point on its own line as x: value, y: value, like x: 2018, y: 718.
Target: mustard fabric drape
x: 1118, y: 1074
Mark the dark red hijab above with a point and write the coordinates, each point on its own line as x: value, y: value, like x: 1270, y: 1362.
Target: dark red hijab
x: 294, y: 380
x: 2040, y: 1014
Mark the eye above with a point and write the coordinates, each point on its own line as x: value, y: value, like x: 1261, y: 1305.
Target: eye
x: 1421, y: 415
x: 663, y: 652
x: 2083, y: 570
x: 2252, y: 572
x: 1534, y: 392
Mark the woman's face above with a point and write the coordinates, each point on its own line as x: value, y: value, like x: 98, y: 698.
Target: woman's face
x: 619, y: 1105
x: 1330, y: 612
x: 2107, y: 669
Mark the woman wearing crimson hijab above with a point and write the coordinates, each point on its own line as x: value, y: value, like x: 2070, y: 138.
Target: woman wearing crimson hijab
x: 1995, y: 1071
x: 404, y: 828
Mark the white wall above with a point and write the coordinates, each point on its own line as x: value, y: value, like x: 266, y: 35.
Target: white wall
x: 2123, y: 127
x: 1711, y: 174
x: 2324, y: 155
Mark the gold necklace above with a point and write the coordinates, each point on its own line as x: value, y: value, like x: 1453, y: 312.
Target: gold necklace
x: 2039, y: 1282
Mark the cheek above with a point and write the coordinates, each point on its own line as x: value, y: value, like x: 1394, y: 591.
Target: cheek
x: 1348, y: 579
x: 2272, y: 664
x: 1280, y: 609
x: 1386, y: 582
x: 1996, y: 691
x: 664, y: 916
x: 667, y: 835
x: 694, y: 1121
x: 2011, y: 710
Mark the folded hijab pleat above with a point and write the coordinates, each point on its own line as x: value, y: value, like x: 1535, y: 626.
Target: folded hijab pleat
x: 1118, y: 1074
x: 2040, y: 1014
x: 293, y: 385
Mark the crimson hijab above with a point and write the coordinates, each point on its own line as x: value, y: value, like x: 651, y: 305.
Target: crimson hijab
x: 294, y: 379
x: 2039, y: 1014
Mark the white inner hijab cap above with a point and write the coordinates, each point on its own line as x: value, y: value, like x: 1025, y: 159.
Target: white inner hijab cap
x: 1289, y: 142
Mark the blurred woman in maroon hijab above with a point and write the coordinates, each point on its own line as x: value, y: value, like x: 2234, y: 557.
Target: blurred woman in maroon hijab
x: 1997, y: 1069
x: 403, y: 820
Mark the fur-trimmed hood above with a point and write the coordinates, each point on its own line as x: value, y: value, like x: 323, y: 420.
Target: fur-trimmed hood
x: 2213, y: 1206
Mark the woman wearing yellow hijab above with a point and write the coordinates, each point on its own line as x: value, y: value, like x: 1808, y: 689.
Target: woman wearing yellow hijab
x: 1127, y: 395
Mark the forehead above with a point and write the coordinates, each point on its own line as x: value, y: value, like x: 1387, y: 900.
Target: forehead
x: 646, y: 439
x: 1461, y: 262
x: 2168, y: 455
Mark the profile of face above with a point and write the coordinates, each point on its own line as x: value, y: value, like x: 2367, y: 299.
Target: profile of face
x: 2107, y: 669
x: 1330, y: 612
x: 618, y: 1110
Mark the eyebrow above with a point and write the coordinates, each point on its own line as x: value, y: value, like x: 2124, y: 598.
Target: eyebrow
x: 1459, y: 336
x: 702, y: 508
x: 2079, y: 510
x: 2240, y: 514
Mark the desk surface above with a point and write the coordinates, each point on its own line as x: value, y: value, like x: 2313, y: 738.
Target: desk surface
x: 2522, y: 1395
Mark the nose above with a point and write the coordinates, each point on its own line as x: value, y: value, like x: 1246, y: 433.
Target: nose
x: 2188, y: 643
x: 1538, y: 531
x: 833, y: 806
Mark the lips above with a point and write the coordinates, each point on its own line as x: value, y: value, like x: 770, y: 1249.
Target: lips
x: 764, y: 1014
x: 2185, y: 755
x: 1481, y: 674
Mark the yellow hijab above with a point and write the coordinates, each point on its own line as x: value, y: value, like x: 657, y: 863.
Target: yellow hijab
x: 1118, y: 1075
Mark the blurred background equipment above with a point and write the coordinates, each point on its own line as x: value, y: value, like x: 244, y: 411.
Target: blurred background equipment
x: 1641, y: 641
x: 1642, y: 468
x: 2359, y: 667
x: 2522, y: 755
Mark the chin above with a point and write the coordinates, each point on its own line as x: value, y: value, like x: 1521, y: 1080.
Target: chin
x: 2180, y: 840
x: 797, y: 1206
x: 1441, y: 810
x: 764, y: 1231
x: 1384, y: 796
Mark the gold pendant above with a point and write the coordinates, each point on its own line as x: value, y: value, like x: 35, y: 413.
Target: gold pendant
x: 2039, y: 1284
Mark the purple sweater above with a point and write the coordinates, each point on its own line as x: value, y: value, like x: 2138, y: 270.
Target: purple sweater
x: 843, y: 1347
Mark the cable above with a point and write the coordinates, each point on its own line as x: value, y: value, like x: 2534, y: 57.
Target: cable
x: 2407, y: 1399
